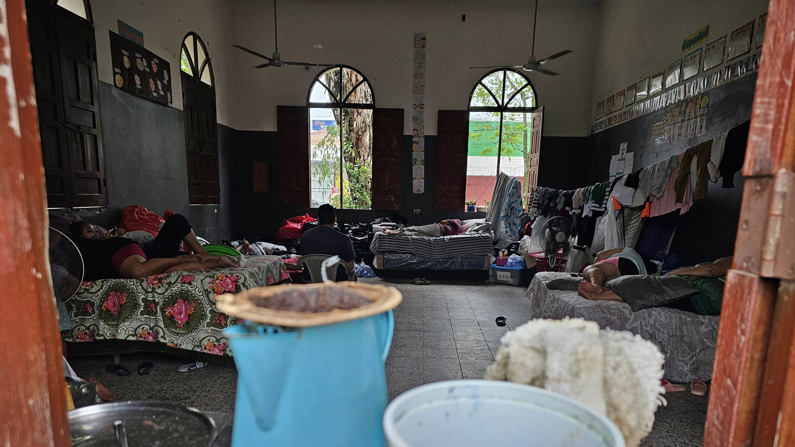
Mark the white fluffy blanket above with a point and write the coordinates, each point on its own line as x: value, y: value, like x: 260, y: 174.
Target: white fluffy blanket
x: 615, y: 373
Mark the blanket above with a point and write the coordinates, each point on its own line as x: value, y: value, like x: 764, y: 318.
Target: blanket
x: 177, y: 309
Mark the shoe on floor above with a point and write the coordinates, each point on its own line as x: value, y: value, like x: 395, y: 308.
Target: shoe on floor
x: 671, y: 387
x: 698, y: 387
x: 192, y: 366
x: 145, y: 367
x: 117, y: 369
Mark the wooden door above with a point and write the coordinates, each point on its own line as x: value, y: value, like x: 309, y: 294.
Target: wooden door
x: 201, y: 140
x: 293, y: 142
x: 387, y: 150
x: 533, y: 154
x: 33, y: 393
x: 451, y: 159
x: 64, y: 66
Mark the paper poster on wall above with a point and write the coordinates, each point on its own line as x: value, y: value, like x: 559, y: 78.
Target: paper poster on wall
x: 418, y: 144
x: 642, y: 89
x: 417, y: 158
x: 418, y: 186
x: 620, y: 165
x: 713, y: 53
x: 740, y: 41
x: 672, y: 74
x: 618, y: 101
x: 759, y: 35
x: 629, y: 96
x: 600, y: 109
x: 139, y: 71
x: 690, y: 64
x: 609, y: 104
x: 418, y: 172
x: 656, y: 84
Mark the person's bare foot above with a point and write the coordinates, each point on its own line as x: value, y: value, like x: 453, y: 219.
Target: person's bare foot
x: 589, y: 287
x: 604, y: 295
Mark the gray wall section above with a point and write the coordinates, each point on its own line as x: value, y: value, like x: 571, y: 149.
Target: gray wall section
x: 145, y: 164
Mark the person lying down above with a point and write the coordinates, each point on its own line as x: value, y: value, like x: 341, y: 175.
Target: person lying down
x: 446, y: 227
x: 625, y: 275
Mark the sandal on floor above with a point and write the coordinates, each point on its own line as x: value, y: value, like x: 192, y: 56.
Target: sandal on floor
x: 145, y: 367
x: 698, y: 387
x: 192, y: 366
x: 671, y: 387
x: 118, y: 369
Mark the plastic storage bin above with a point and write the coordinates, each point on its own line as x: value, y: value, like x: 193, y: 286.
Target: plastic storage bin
x: 510, y: 275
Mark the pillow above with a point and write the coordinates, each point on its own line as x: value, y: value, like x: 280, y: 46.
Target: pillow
x: 139, y: 236
x: 709, y: 297
x: 644, y: 291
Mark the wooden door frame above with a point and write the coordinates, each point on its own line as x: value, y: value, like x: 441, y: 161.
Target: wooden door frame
x: 34, y: 395
x: 752, y: 400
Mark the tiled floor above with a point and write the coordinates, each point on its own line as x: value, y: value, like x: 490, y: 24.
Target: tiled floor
x: 445, y: 330
x: 449, y: 332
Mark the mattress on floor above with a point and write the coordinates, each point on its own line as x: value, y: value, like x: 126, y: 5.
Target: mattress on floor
x: 434, y: 247
x: 408, y: 261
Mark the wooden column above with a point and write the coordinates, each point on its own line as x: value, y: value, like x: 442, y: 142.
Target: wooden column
x: 752, y: 401
x: 33, y: 396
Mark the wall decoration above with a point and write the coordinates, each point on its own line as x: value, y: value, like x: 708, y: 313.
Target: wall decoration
x: 656, y: 84
x: 618, y: 101
x: 418, y: 115
x: 690, y: 64
x: 600, y: 109
x: 672, y: 74
x: 713, y: 53
x: 760, y: 31
x: 609, y: 105
x: 128, y: 32
x: 740, y: 41
x: 642, y: 89
x: 629, y: 96
x: 138, y: 71
x: 695, y: 39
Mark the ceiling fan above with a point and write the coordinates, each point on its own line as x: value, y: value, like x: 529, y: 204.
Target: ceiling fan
x: 275, y: 60
x: 535, y: 64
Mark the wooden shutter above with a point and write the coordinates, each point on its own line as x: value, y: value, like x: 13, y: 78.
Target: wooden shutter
x: 63, y: 54
x: 532, y: 156
x: 387, y: 134
x: 292, y: 123
x: 451, y: 160
x: 201, y: 140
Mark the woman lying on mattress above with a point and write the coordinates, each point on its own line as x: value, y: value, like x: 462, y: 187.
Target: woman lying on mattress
x: 619, y: 262
x: 447, y: 227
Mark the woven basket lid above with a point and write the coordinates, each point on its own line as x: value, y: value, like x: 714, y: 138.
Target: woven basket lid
x: 304, y: 305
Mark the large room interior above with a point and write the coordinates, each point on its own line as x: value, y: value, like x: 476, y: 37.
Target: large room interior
x: 225, y: 135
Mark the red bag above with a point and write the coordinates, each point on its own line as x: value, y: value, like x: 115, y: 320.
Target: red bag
x: 138, y: 218
x: 291, y: 228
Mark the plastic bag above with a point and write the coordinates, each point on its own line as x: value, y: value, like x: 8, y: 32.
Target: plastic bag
x: 515, y: 261
x: 138, y: 218
x: 291, y: 228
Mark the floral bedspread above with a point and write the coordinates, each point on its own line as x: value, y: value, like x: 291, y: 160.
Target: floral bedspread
x: 177, y: 309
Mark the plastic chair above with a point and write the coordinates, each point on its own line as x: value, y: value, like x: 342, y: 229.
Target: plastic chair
x: 313, y: 265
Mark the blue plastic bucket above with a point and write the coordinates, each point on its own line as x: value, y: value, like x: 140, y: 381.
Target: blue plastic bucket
x: 464, y: 413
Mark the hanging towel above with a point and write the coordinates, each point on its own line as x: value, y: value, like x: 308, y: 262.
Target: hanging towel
x: 511, y: 216
x: 700, y: 154
x: 715, y: 155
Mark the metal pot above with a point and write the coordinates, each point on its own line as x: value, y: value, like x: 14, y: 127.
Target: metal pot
x: 140, y: 424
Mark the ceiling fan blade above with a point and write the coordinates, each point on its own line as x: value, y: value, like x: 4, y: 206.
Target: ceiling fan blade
x: 553, y: 56
x: 307, y: 64
x: 253, y: 52
x: 266, y: 64
x: 490, y: 66
x: 542, y: 70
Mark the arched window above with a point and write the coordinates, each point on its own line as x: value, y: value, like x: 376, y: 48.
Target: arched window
x: 341, y: 103
x: 194, y: 61
x: 501, y: 123
x: 201, y: 127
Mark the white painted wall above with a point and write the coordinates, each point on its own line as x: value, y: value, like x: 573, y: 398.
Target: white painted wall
x: 614, y: 43
x: 639, y: 38
x: 374, y: 37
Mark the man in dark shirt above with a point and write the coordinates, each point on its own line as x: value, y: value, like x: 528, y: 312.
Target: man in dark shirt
x: 326, y: 240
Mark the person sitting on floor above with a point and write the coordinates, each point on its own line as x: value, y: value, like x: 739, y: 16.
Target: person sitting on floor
x: 324, y: 239
x: 117, y: 256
